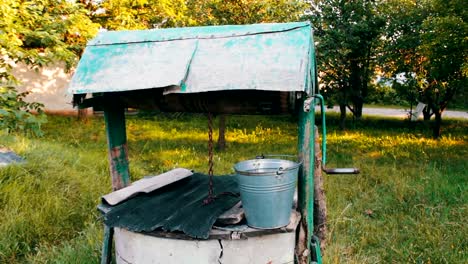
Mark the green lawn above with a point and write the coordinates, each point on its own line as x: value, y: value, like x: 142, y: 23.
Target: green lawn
x: 409, y: 204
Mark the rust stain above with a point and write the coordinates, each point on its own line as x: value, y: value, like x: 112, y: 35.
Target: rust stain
x: 118, y: 159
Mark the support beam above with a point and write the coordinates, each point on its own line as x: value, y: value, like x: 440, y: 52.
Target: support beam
x: 114, y: 116
x: 117, y: 143
x: 306, y: 184
x: 106, y: 255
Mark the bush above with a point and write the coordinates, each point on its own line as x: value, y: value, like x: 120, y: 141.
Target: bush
x: 17, y: 115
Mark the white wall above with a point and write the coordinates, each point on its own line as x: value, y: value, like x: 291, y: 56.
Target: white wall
x: 48, y: 85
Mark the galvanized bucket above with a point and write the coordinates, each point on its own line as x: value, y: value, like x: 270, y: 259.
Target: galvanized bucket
x: 267, y: 190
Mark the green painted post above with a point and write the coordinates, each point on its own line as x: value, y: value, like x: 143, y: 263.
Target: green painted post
x: 117, y: 144
x: 106, y: 256
x: 306, y: 182
x: 114, y: 116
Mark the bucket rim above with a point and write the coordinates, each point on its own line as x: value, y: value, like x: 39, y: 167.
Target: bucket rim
x: 280, y: 170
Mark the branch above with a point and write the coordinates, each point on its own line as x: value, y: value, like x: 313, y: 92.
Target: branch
x: 350, y: 109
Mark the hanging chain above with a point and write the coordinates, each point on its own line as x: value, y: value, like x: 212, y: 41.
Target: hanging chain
x: 210, y: 197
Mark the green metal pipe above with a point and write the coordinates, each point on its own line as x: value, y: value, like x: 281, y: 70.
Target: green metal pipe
x: 310, y: 182
x: 324, y: 143
x: 324, y: 128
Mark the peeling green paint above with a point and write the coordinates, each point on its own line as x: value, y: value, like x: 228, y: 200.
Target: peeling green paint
x: 306, y: 175
x: 198, y: 59
x: 117, y: 143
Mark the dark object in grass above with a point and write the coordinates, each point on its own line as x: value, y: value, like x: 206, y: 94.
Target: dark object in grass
x: 369, y: 213
x: 8, y: 157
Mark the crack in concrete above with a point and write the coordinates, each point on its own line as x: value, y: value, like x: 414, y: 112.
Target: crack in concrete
x: 124, y: 260
x: 222, y: 251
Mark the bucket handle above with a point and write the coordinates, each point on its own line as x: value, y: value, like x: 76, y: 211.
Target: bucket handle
x: 280, y: 169
x: 262, y: 156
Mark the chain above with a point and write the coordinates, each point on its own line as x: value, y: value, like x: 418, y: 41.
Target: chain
x: 210, y: 197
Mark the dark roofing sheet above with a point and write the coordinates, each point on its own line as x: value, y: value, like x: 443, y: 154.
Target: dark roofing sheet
x: 177, y: 207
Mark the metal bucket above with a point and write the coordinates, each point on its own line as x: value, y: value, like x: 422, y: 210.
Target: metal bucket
x: 267, y: 190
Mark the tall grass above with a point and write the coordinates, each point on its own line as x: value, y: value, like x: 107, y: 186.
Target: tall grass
x: 407, y: 206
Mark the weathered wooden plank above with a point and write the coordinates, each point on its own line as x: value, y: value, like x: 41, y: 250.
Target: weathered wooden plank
x: 232, y: 216
x: 219, y: 102
x: 320, y: 202
x: 146, y: 185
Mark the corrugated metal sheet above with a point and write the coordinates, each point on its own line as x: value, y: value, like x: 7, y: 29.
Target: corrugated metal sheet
x: 176, y: 207
x: 274, y: 57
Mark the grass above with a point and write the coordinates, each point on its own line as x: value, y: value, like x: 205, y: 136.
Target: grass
x: 408, y: 205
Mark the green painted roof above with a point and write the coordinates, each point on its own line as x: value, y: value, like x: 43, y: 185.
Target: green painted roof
x: 272, y: 57
x: 204, y: 32
x: 176, y: 207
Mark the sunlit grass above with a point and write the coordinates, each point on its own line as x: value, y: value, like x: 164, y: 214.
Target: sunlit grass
x: 415, y: 188
x: 408, y: 205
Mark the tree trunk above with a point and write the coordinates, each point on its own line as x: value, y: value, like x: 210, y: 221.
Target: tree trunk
x: 342, y: 116
x: 320, y: 202
x: 358, y: 104
x: 427, y: 113
x: 83, y: 115
x: 437, y: 124
x: 222, y: 128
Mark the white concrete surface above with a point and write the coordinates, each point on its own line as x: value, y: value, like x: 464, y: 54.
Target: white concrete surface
x: 131, y: 247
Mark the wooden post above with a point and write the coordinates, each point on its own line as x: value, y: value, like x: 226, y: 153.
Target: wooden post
x: 306, y: 184
x: 114, y: 116
x: 320, y: 202
x: 106, y: 255
x: 117, y: 144
x: 222, y: 136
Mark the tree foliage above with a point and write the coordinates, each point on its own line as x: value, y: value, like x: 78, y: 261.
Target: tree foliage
x: 144, y: 14
x: 15, y: 113
x: 347, y: 33
x: 219, y: 12
x: 426, y: 43
x: 140, y: 14
x: 36, y: 33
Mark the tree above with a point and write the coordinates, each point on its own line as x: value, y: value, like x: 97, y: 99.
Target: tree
x: 144, y: 14
x: 37, y: 33
x: 219, y: 12
x: 138, y: 14
x: 426, y: 41
x: 347, y: 33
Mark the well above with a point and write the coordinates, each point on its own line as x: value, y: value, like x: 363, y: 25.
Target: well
x: 245, y: 69
x: 248, y: 246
